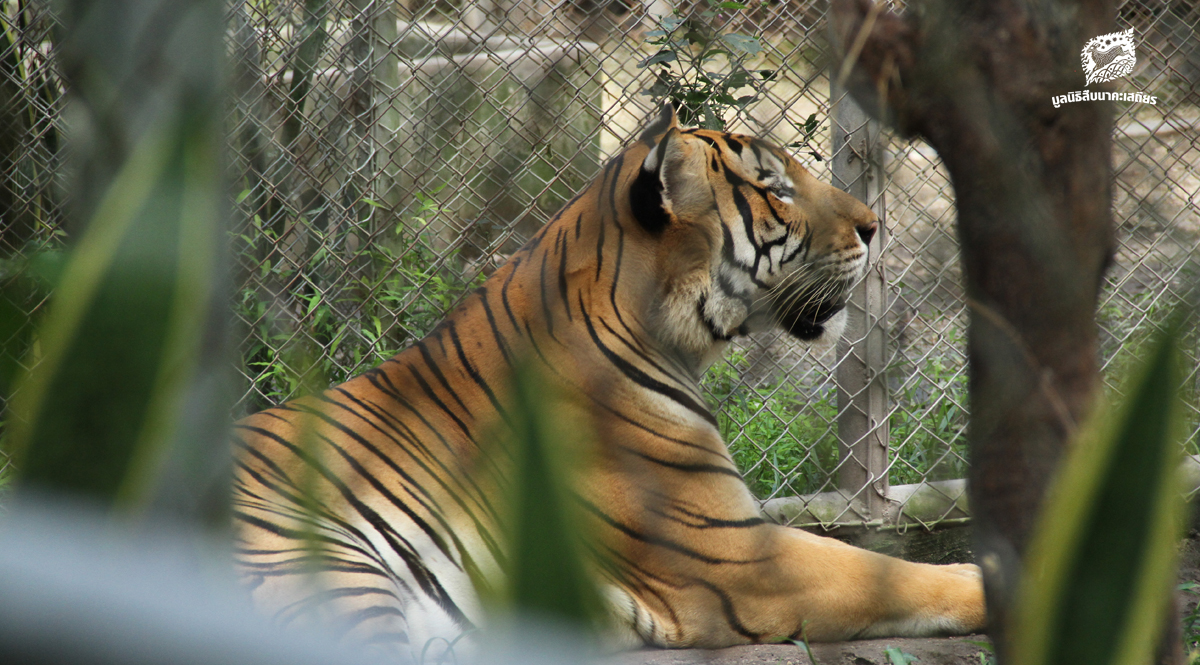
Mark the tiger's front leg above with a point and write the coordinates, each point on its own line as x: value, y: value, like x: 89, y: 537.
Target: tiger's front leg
x: 703, y: 571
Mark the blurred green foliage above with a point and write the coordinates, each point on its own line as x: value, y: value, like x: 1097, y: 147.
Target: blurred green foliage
x: 1101, y: 564
x: 547, y: 570
x: 112, y: 402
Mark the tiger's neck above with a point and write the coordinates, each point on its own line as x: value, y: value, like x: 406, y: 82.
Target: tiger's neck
x: 584, y: 298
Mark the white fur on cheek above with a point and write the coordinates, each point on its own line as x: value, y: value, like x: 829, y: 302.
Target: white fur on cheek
x: 835, y: 327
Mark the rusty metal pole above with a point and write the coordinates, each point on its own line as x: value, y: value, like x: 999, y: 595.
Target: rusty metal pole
x: 862, y: 394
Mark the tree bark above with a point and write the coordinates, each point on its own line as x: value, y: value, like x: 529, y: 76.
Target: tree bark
x: 1032, y: 185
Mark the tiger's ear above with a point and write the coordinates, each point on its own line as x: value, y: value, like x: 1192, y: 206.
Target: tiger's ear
x: 671, y: 180
x: 658, y: 124
x: 646, y: 193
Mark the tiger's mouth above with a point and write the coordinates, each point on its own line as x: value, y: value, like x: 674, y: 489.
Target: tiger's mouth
x: 803, y: 312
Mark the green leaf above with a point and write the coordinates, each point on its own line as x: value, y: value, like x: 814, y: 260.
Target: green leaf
x: 712, y: 53
x: 737, y: 79
x: 242, y: 196
x: 1102, y: 558
x: 898, y: 657
x: 803, y: 642
x: 660, y: 57
x: 669, y: 23
x: 373, y: 203
x: 744, y: 43
x: 712, y: 120
x: 731, y: 5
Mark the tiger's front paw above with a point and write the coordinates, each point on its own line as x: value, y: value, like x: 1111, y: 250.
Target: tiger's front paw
x: 965, y: 569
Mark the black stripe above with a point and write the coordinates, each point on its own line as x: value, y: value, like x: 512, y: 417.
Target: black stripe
x: 438, y: 375
x: 562, y: 281
x: 352, y: 620
x: 427, y: 390
x: 533, y: 341
x: 319, y: 598
x: 374, y: 482
x: 804, y: 246
x: 612, y: 176
x: 515, y: 264
x: 681, y: 466
x: 729, y: 611
x: 637, y: 349
x: 474, y: 373
x: 500, y: 341
x: 729, y: 252
x: 424, y: 578
x: 706, y: 522
x: 641, y: 378
x: 661, y: 542
x: 479, y: 498
x: 730, y: 290
x: 296, y: 534
x: 546, y: 313
x: 646, y: 202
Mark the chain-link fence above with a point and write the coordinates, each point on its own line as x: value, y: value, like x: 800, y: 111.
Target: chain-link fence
x: 385, y: 156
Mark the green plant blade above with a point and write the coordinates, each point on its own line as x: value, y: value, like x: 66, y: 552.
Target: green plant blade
x: 78, y: 291
x: 548, y: 577
x: 1101, y: 563
x: 125, y: 395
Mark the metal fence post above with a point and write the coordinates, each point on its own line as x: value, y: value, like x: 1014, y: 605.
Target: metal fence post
x: 862, y: 395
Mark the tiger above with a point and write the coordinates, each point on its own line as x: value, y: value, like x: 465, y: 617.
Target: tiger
x: 686, y: 239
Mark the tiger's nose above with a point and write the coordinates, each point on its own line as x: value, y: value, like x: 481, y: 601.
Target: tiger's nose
x: 866, y: 231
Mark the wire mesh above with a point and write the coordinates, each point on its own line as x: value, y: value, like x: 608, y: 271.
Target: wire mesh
x: 386, y: 156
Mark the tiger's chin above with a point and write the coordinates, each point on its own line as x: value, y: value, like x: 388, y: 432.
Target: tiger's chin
x: 820, y: 327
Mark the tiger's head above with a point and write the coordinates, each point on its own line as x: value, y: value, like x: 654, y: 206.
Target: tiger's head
x: 746, y: 238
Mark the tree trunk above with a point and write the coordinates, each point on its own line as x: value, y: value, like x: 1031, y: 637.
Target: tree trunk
x: 1032, y: 183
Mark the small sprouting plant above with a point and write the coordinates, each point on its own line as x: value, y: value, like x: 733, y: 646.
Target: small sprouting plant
x: 807, y: 131
x: 897, y: 656
x: 687, y: 70
x: 1191, y: 625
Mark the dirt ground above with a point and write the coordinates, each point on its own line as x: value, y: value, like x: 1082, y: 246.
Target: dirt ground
x: 932, y: 651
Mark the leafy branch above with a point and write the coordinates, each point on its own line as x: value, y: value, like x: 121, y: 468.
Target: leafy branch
x: 686, y: 65
x: 688, y: 72
x: 807, y: 131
